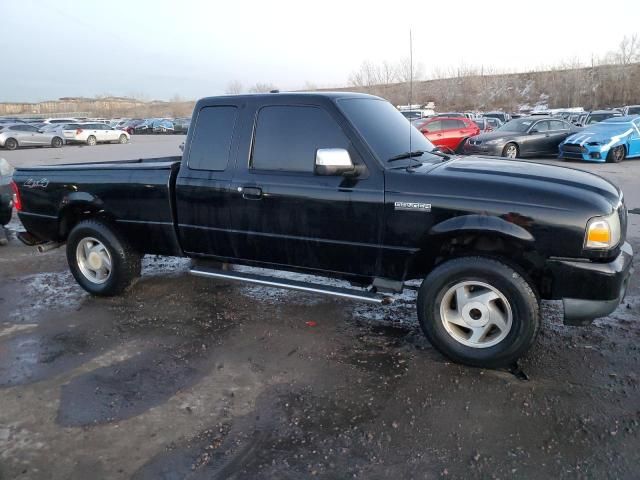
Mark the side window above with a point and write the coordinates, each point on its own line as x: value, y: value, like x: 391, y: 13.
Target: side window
x: 211, y: 142
x: 287, y: 137
x: 558, y: 125
x: 434, y: 126
x: 541, y: 126
x: 449, y: 124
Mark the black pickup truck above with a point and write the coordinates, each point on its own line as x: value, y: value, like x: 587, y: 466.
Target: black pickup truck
x: 340, y: 185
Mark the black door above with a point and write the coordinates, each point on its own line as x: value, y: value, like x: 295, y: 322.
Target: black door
x: 203, y: 185
x: 285, y: 214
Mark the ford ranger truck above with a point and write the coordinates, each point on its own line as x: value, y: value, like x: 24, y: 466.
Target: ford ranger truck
x: 340, y: 185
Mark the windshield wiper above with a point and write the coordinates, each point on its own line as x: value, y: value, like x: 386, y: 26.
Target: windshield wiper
x: 405, y: 155
x: 440, y: 154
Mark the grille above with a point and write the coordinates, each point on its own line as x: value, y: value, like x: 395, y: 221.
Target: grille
x: 572, y: 148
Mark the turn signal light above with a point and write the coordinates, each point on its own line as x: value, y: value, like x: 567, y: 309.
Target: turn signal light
x: 603, y: 232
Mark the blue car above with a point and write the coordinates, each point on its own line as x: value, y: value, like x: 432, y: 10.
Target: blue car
x: 611, y: 140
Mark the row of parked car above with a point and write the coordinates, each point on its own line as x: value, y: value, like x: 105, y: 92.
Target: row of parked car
x: 611, y: 137
x: 56, y: 132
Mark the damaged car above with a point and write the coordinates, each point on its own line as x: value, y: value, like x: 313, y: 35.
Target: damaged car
x: 611, y: 140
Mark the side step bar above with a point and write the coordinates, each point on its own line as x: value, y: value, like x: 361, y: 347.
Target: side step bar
x: 352, y: 294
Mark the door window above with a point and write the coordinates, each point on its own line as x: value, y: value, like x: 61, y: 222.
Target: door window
x: 211, y: 143
x: 541, y: 127
x: 557, y: 125
x: 434, y: 126
x: 287, y: 137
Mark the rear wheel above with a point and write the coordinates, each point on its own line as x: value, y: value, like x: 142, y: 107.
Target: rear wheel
x: 460, y: 148
x: 123, y: 139
x: 616, y: 154
x: 101, y: 262
x: 56, y: 142
x: 510, y: 150
x: 11, y: 144
x: 478, y: 311
x: 91, y: 141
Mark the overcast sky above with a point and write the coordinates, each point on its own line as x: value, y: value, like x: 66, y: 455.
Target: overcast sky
x: 158, y: 49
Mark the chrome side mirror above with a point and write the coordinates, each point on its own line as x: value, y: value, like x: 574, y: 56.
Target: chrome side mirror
x: 333, y: 161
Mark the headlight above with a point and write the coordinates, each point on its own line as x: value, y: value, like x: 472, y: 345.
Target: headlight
x: 603, y: 232
x: 494, y: 141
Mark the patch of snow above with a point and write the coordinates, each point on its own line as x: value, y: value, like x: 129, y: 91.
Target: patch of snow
x: 48, y: 291
x: 153, y: 265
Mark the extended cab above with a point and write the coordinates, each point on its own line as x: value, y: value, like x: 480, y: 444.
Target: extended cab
x: 340, y: 185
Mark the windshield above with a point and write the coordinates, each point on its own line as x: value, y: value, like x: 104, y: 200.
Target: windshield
x: 598, y: 117
x: 519, y: 125
x: 633, y: 110
x: 384, y: 129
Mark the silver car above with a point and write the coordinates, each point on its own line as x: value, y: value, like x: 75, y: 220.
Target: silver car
x: 23, y: 135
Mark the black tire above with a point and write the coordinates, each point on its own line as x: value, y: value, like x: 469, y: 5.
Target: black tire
x: 460, y: 148
x: 11, y: 144
x: 56, y: 142
x: 508, y: 148
x: 616, y: 154
x: 123, y: 139
x: 91, y: 140
x: 125, y: 261
x: 522, y: 301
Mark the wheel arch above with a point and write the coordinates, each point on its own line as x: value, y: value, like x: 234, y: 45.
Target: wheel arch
x: 480, y: 235
x: 79, y: 206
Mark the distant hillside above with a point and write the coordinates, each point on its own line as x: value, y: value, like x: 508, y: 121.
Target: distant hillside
x: 101, y: 107
x: 594, y: 87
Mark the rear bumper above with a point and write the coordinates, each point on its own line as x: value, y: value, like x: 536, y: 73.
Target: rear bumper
x: 483, y: 149
x: 590, y: 290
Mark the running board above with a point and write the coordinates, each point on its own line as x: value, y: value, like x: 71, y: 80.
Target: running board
x: 276, y: 282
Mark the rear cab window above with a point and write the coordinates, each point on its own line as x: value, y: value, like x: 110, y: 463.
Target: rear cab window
x: 212, y: 136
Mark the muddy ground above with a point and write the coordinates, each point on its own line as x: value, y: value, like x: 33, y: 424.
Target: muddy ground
x: 188, y: 378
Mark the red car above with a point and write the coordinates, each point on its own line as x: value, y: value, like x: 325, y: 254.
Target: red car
x: 447, y: 133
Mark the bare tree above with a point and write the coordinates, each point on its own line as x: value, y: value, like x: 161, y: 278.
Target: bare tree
x: 629, y: 50
x: 234, y: 87
x: 261, y: 87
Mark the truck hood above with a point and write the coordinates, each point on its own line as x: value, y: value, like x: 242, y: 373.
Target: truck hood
x: 539, y: 198
x: 529, y: 177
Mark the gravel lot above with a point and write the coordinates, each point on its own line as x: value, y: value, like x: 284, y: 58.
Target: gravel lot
x: 184, y: 377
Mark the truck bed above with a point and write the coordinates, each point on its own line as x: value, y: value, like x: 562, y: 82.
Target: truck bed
x: 138, y: 194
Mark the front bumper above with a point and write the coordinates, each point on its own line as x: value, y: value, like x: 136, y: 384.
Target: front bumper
x: 588, y: 153
x: 590, y: 290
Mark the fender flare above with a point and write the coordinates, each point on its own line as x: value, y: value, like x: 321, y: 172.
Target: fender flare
x: 482, y: 224
x: 78, y: 201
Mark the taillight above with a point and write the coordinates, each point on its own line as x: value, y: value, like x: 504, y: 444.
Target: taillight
x: 17, y: 202
x: 78, y: 131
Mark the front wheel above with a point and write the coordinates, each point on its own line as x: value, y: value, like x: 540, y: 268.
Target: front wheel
x: 123, y: 139
x: 478, y: 311
x: 511, y: 151
x: 616, y: 154
x: 11, y: 144
x: 56, y: 142
x: 101, y: 262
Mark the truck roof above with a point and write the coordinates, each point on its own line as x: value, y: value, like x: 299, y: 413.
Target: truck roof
x: 294, y: 95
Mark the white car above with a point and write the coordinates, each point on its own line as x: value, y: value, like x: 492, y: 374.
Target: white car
x: 60, y: 120
x: 93, y: 133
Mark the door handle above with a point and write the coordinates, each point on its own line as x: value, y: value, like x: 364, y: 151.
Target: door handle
x: 251, y: 193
